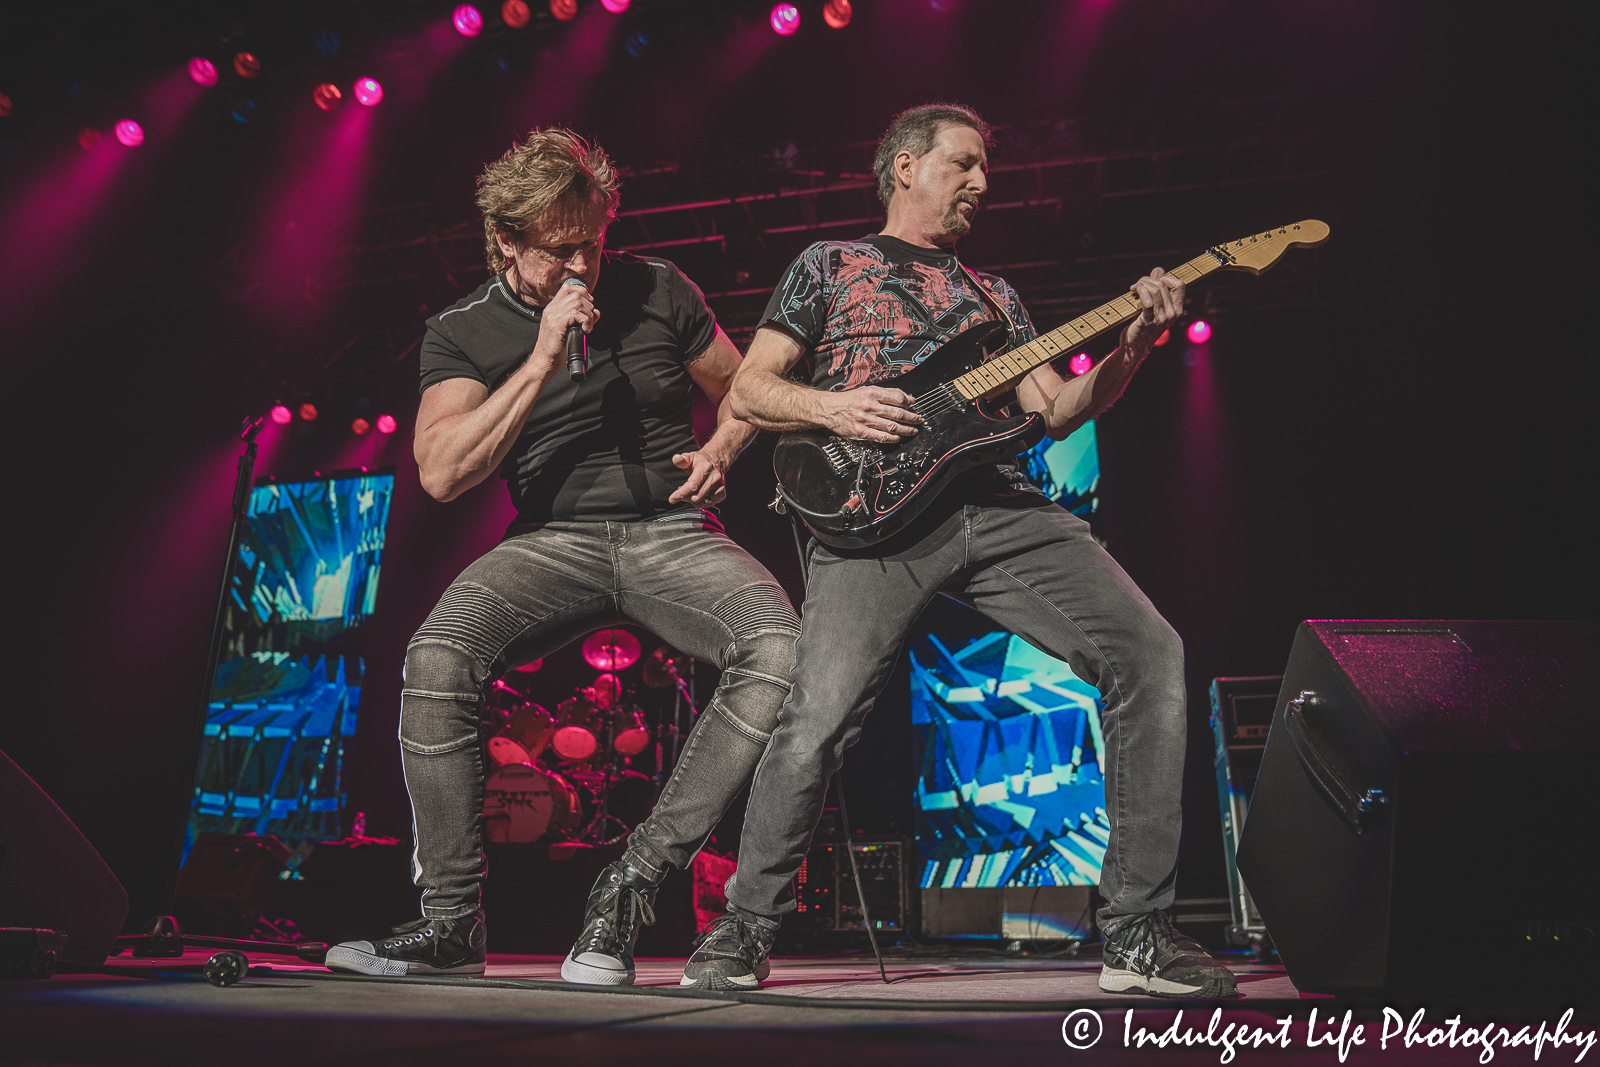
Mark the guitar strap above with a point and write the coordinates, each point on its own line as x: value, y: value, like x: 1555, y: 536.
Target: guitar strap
x: 994, y: 305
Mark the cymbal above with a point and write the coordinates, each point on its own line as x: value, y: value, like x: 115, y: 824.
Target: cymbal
x: 528, y: 668
x: 611, y: 650
x: 662, y: 666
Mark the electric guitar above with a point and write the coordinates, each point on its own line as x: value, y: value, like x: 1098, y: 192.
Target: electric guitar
x: 856, y: 493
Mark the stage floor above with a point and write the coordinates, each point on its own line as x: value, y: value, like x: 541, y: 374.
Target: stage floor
x: 811, y: 1011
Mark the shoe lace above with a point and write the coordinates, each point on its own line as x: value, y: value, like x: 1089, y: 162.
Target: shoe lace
x: 745, y: 933
x: 410, y: 933
x: 609, y: 918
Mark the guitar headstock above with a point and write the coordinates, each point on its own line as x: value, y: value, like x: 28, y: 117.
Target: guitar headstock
x: 1260, y: 251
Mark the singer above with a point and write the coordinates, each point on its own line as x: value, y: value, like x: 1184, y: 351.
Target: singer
x: 610, y: 490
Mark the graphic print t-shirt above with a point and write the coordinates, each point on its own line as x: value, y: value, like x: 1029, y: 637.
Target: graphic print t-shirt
x: 874, y: 308
x: 600, y: 449
x: 871, y: 309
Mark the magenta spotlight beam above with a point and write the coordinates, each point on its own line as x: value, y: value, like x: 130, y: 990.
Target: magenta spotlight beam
x: 202, y: 71
x: 368, y: 92
x: 785, y: 20
x: 467, y: 20
x: 616, y: 7
x: 130, y: 133
x: 1199, y: 332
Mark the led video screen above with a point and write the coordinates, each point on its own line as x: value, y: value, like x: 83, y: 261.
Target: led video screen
x: 1007, y: 740
x: 285, y: 698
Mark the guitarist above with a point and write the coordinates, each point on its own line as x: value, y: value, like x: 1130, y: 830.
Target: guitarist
x: 862, y: 312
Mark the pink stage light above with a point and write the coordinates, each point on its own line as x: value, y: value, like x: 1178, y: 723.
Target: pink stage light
x: 1199, y: 332
x: 281, y: 415
x: 130, y: 133
x: 89, y: 138
x: 564, y: 10
x: 616, y: 7
x: 386, y: 424
x: 246, y: 65
x: 785, y: 19
x: 202, y: 71
x: 5, y: 105
x: 327, y: 96
x: 1166, y: 335
x: 359, y: 426
x: 467, y: 20
x: 308, y: 411
x: 515, y: 13
x: 369, y: 92
x: 1080, y: 363
x: 836, y: 13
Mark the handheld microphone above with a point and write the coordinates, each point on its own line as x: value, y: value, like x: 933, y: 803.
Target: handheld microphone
x: 577, y: 343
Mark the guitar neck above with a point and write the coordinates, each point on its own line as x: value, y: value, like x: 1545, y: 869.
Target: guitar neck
x: 1001, y: 373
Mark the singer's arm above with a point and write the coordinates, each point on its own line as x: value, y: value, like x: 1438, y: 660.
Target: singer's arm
x: 464, y: 430
x: 713, y: 371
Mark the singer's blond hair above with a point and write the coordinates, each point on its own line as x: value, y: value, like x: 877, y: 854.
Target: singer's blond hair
x: 550, y: 167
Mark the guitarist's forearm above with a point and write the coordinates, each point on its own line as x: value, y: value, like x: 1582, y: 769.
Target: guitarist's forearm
x: 1067, y: 405
x: 769, y: 402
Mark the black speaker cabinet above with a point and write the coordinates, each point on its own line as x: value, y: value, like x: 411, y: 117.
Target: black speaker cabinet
x: 1426, y: 816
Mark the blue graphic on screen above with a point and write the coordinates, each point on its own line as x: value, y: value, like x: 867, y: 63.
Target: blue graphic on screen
x: 1007, y: 740
x: 288, y: 689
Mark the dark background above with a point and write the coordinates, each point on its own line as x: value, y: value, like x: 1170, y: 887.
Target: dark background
x: 1406, y: 437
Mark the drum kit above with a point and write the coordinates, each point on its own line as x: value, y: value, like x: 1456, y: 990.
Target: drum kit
x: 564, y: 777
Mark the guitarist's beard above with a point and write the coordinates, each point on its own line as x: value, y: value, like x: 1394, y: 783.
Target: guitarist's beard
x: 954, y: 222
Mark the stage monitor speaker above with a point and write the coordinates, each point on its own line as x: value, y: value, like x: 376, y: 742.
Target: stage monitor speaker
x: 50, y: 876
x: 1425, y: 815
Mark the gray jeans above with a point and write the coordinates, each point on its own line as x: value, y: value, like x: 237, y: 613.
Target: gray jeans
x: 680, y: 577
x: 1035, y: 571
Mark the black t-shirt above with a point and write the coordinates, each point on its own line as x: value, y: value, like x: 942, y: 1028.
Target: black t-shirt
x: 868, y: 310
x: 600, y: 449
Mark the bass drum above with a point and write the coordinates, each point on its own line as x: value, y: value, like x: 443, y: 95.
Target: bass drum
x: 526, y: 805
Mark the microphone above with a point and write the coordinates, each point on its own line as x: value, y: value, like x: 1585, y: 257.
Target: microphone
x: 577, y: 343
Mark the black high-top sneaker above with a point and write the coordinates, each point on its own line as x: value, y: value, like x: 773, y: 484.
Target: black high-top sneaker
x: 1147, y: 955
x: 423, y: 946
x: 603, y: 955
x: 731, y: 953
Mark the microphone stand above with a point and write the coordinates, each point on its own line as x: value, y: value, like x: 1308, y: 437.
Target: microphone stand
x: 248, y: 432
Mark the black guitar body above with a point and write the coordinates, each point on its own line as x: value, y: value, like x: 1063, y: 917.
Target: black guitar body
x: 854, y: 493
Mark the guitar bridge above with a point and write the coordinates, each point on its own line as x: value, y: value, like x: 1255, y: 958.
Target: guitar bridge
x: 843, y: 456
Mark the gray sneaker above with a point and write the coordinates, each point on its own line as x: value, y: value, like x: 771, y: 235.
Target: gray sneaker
x: 1148, y: 956
x: 730, y: 954
x: 619, y: 902
x: 423, y: 946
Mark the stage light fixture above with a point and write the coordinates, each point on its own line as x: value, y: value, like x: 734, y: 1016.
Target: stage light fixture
x: 1166, y: 335
x: 328, y: 44
x: 244, y: 110
x: 616, y: 7
x: 515, y: 13
x: 785, y: 19
x: 281, y: 415
x: 359, y: 426
x: 836, y: 13
x: 1199, y: 332
x: 386, y: 424
x: 467, y: 20
x: 89, y: 138
x: 246, y: 65
x: 564, y: 10
x: 5, y: 105
x: 308, y: 411
x: 202, y: 71
x: 1080, y: 363
x: 369, y: 92
x: 638, y: 44
x: 130, y: 133
x: 327, y: 96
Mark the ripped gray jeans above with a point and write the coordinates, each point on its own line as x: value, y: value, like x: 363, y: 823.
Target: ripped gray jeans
x: 679, y: 576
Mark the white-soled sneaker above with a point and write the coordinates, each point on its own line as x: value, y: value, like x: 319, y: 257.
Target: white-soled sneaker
x: 1148, y: 956
x: 423, y: 946
x: 730, y: 954
x: 619, y: 902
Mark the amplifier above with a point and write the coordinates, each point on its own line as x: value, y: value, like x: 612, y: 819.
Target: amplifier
x: 825, y: 889
x: 1241, y: 715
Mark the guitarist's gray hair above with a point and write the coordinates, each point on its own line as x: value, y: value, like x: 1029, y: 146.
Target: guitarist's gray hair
x: 914, y: 131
